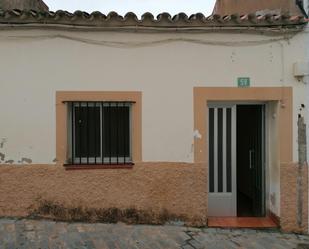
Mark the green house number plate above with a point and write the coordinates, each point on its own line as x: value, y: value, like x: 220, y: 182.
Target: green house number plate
x: 243, y: 82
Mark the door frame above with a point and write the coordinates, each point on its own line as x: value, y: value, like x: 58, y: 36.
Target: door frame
x: 283, y: 96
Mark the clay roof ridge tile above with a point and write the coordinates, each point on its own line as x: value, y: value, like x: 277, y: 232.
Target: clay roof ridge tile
x: 252, y: 18
x: 164, y: 17
x: 147, y: 19
x: 147, y: 16
x: 113, y: 16
x: 181, y: 17
x: 97, y: 16
x: 226, y: 18
x: 16, y: 12
x: 197, y: 17
x: 131, y: 16
x: 235, y: 19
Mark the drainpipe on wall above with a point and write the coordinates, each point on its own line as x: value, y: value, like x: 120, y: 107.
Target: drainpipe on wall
x: 307, y: 121
x: 306, y: 81
x: 302, y: 157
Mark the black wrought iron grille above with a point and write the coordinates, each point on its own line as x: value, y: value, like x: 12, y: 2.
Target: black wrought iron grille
x: 100, y: 133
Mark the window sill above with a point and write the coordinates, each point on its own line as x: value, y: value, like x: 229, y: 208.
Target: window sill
x: 97, y: 166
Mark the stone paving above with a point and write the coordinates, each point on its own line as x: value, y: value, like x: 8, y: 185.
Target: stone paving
x: 35, y: 234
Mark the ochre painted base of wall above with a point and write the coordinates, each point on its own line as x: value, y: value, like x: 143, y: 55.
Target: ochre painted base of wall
x: 289, y: 204
x: 179, y: 188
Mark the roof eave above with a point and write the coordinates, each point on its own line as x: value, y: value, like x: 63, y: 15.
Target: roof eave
x: 162, y: 23
x: 265, y: 29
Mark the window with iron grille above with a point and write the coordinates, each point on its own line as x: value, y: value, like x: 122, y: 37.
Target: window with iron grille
x: 100, y: 133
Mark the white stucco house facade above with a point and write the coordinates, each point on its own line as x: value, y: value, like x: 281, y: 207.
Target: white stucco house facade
x: 110, y: 111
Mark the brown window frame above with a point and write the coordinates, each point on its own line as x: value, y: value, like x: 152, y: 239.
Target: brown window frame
x: 62, y: 125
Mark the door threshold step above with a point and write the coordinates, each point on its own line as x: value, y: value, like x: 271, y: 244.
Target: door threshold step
x: 242, y: 222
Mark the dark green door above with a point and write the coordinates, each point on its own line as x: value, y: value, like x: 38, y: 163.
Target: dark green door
x: 250, y: 167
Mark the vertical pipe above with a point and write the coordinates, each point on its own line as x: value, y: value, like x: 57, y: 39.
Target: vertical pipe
x: 307, y: 121
x: 306, y: 80
x: 302, y: 158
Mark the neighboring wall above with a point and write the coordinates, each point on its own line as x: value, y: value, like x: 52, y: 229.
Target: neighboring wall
x: 228, y: 7
x: 294, y: 204
x: 38, y: 5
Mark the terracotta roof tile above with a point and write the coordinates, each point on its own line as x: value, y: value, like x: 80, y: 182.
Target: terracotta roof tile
x: 163, y: 20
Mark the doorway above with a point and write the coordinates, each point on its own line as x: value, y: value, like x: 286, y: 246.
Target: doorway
x: 236, y: 160
x: 250, y: 158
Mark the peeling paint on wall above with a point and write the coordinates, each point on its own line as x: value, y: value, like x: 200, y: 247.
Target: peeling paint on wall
x: 3, y: 141
x: 23, y: 160
x: 273, y: 199
x: 197, y: 134
x: 2, y: 156
x: 26, y: 160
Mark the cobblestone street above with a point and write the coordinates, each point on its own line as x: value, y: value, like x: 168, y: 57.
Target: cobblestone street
x: 33, y: 234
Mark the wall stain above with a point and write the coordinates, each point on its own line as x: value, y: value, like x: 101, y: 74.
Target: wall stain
x: 2, y: 156
x: 26, y: 160
x: 197, y: 134
x: 9, y: 161
x: 3, y: 141
x: 273, y: 199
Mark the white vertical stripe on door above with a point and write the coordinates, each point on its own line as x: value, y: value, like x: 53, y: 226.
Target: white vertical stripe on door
x: 224, y: 150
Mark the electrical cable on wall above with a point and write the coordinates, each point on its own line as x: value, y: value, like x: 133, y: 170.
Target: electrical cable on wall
x: 128, y: 44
